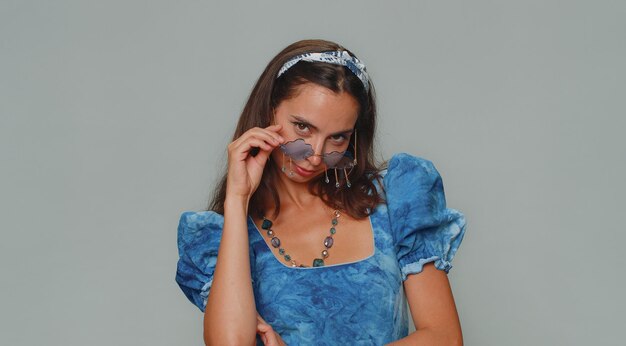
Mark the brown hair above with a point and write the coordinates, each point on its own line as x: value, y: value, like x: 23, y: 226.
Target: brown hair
x: 358, y: 200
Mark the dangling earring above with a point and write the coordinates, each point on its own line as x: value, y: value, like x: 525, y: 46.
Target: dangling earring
x: 283, y: 167
x: 326, y: 174
x: 341, y: 164
x: 290, y: 169
x: 345, y: 173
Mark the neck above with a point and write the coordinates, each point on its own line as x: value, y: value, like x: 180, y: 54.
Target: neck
x: 294, y: 196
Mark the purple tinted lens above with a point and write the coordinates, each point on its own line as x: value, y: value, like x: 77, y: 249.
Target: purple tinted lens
x: 339, y: 160
x: 332, y: 159
x: 297, y: 149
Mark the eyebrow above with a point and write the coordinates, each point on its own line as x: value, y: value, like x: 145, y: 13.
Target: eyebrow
x: 306, y: 122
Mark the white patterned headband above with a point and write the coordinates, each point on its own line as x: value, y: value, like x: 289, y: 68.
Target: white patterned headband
x: 333, y: 57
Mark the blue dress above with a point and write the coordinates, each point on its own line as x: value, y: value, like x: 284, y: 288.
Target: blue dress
x: 356, y: 303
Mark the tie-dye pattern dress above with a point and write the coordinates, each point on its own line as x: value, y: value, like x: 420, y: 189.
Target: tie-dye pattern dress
x: 356, y: 303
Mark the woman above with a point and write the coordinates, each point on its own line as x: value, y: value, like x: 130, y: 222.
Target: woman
x: 307, y: 241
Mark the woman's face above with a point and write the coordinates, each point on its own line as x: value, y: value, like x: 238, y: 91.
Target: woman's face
x: 323, y: 119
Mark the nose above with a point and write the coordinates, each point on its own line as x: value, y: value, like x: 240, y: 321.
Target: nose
x: 316, y: 158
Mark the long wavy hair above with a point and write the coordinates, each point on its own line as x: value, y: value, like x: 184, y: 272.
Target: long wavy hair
x: 362, y: 197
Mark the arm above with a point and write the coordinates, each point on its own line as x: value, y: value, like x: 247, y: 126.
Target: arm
x: 230, y: 316
x: 432, y: 308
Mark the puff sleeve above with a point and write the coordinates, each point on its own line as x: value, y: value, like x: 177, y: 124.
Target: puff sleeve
x: 199, y: 235
x: 424, y: 229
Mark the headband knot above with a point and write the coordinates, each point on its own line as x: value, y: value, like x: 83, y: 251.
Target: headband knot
x: 339, y: 57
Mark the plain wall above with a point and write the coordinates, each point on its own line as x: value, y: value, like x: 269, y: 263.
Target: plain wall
x: 115, y: 116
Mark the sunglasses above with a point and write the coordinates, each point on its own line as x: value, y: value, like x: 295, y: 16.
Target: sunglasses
x: 298, y: 150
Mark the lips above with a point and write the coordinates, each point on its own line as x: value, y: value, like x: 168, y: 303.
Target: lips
x: 303, y: 172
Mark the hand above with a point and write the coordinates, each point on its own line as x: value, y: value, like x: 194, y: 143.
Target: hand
x: 244, y: 170
x: 268, y: 335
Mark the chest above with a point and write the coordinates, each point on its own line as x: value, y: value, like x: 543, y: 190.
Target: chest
x: 365, y: 295
x: 307, y: 239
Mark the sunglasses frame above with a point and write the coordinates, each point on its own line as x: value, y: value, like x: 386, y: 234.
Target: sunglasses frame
x: 306, y: 151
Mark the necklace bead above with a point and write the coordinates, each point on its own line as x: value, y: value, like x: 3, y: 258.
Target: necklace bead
x: 266, y: 224
x: 318, y: 262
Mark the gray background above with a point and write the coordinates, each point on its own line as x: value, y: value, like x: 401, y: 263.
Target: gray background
x: 115, y: 116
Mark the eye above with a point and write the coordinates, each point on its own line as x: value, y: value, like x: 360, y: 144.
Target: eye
x: 302, y: 127
x: 338, y: 138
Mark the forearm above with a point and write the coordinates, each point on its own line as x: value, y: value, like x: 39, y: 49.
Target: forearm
x: 230, y: 313
x: 429, y: 337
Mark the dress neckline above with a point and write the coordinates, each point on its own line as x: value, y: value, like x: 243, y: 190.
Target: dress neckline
x: 276, y: 259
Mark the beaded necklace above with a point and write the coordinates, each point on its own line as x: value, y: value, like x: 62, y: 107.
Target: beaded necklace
x: 328, y: 241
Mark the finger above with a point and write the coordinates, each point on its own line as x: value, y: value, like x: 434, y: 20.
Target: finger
x: 271, y: 338
x: 258, y: 134
x: 275, y: 129
x: 262, y: 325
x: 265, y: 331
x: 259, y: 143
x: 271, y: 131
x: 244, y: 145
x: 263, y: 156
x: 241, y: 150
x: 263, y: 328
x: 262, y: 335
